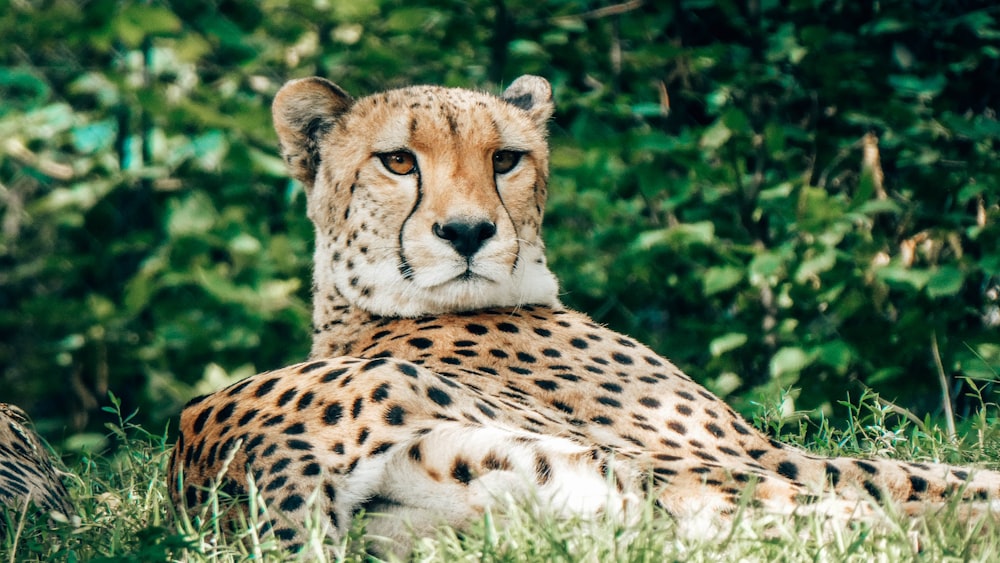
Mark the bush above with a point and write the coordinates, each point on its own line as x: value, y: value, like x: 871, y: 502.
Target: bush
x: 774, y: 195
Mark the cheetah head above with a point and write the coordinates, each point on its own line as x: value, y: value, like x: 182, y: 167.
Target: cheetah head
x: 425, y: 200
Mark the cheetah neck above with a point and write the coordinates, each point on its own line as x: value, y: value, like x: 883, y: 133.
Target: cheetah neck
x: 337, y: 323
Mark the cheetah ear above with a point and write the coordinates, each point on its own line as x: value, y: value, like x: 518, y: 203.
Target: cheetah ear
x: 533, y: 94
x: 304, y: 111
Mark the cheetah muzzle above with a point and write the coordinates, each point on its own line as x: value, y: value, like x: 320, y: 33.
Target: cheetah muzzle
x: 446, y: 376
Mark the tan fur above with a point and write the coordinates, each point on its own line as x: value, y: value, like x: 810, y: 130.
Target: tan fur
x: 428, y: 409
x: 27, y: 475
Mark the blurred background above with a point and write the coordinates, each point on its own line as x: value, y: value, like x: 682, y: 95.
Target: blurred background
x: 793, y: 200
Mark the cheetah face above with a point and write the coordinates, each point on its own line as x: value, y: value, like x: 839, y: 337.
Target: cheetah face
x: 425, y: 200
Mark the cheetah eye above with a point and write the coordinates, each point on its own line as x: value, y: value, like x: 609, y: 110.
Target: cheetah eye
x: 505, y: 161
x: 399, y: 162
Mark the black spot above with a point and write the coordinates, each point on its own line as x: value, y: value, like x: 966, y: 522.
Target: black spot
x: 740, y: 428
x: 332, y: 413
x: 461, y: 472
x: 363, y: 436
x: 613, y: 387
x: 280, y: 465
x: 526, y: 358
x: 275, y: 420
x: 199, y: 423
x: 476, y: 329
x: 873, y: 490
x: 291, y: 502
x: 439, y: 396
x: 609, y: 402
x: 284, y: 534
x: 498, y: 353
x: 420, y: 343
x: 563, y: 407
x: 508, y: 327
x: 649, y: 402
x: 684, y: 410
x: 544, y: 332
x: 788, y: 469
x: 407, y: 369
x: 380, y: 393
x: 960, y: 474
x: 190, y: 496
x: 546, y: 384
x: 395, y: 416
x: 603, y: 420
x: 714, y: 430
x: 919, y: 484
x: 305, y: 400
x: 297, y: 428
x: 833, y: 474
x: 381, y: 448
x: 685, y: 395
x: 677, y: 427
x: 372, y: 364
x: 486, y: 410
x: 622, y: 359
x: 265, y: 387
x: 356, y: 408
x: 866, y: 467
x: 551, y: 353
x: 299, y: 445
x: 333, y: 374
x: 579, y: 343
x: 286, y: 397
x: 311, y: 366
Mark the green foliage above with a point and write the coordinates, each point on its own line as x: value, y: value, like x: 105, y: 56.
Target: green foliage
x: 800, y: 194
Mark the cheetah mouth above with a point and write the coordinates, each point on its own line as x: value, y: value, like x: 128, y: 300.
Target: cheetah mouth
x: 468, y: 277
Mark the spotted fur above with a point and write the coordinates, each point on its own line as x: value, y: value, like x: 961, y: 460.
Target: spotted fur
x: 27, y: 475
x: 446, y: 375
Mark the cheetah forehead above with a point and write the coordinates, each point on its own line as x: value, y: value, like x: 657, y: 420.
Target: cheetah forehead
x: 429, y: 117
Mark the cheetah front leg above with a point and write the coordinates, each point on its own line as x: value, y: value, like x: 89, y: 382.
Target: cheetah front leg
x: 456, y: 472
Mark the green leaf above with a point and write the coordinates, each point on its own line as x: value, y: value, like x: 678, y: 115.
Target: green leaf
x: 899, y: 275
x: 766, y: 268
x: 815, y: 265
x: 918, y: 86
x: 721, y: 278
x: 194, y: 215
x: 715, y: 135
x: 944, y: 282
x: 837, y: 354
x: 137, y: 21
x: 789, y: 361
x: 684, y: 234
x: 727, y: 342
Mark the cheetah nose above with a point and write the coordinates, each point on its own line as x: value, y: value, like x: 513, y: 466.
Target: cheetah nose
x: 466, y: 237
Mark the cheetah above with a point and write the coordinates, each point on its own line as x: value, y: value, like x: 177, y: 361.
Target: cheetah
x: 27, y: 475
x: 446, y: 375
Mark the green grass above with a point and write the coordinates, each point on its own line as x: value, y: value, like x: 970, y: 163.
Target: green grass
x: 126, y: 515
